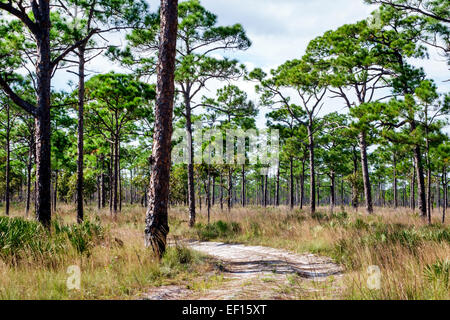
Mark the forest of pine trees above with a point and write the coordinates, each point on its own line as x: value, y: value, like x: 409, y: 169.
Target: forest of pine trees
x: 361, y: 171
x: 388, y: 147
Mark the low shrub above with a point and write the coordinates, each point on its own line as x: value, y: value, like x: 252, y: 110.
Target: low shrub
x: 218, y: 229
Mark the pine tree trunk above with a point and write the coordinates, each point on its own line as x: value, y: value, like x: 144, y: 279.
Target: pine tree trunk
x: 29, y: 166
x: 191, y: 187
x: 277, y: 191
x: 55, y: 193
x: 221, y: 192
x: 365, y: 172
x: 8, y: 159
x: 243, y: 186
x: 420, y: 181
x: 230, y: 188
x: 265, y: 190
x: 332, y: 191
x: 213, y: 195
x: 116, y: 175
x: 157, y: 227
x: 291, y: 184
x: 395, y: 182
x: 445, y: 195
x: 412, y: 200
x: 312, y: 173
x: 302, y: 185
x: 80, y: 142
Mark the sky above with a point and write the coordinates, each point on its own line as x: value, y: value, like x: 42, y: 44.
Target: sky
x: 280, y: 30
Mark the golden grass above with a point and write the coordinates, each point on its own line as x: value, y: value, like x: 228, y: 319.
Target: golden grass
x: 120, y: 267
x: 399, y: 242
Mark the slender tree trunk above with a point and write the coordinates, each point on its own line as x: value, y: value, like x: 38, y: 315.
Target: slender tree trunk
x: 99, y: 191
x: 412, y: 201
x: 8, y: 159
x: 208, y: 196
x: 190, y: 166
x: 365, y: 172
x: 355, y: 181
x: 120, y: 178
x: 302, y: 185
x: 213, y: 196
x: 318, y: 190
x: 291, y: 184
x: 265, y: 190
x: 157, y: 227
x: 420, y: 181
x: 332, y: 191
x: 230, y: 188
x: 55, y: 194
x: 221, y: 192
x: 80, y: 142
x: 395, y: 181
x: 445, y: 195
x: 312, y: 173
x: 243, y: 186
x: 277, y: 191
x: 131, y: 186
x: 111, y: 179
x: 116, y: 174
x: 29, y: 166
x: 102, y: 182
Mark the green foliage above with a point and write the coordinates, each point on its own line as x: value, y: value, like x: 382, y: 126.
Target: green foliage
x: 21, y: 239
x: 438, y: 272
x: 219, y: 229
x: 81, y: 236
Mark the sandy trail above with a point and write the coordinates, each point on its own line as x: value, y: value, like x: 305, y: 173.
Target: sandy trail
x: 256, y: 272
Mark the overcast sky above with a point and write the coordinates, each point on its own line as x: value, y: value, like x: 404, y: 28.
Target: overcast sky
x: 281, y: 29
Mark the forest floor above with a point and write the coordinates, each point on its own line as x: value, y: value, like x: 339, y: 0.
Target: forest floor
x: 245, y: 253
x: 256, y: 272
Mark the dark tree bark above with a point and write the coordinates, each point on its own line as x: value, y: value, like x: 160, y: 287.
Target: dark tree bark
x: 355, y: 181
x: 277, y: 187
x: 412, y: 198
x: 395, y: 181
x: 291, y: 183
x: 116, y: 174
x: 243, y: 200
x: 332, y: 191
x: 312, y: 173
x: 265, y: 190
x: 221, y: 192
x: 213, y: 195
x: 190, y: 166
x: 420, y: 182
x: 157, y: 226
x: 365, y: 172
x: 230, y: 188
x: 302, y: 185
x: 111, y: 178
x: 55, y: 193
x: 29, y: 166
x: 80, y: 134
x: 208, y: 195
x: 8, y: 159
x: 445, y: 195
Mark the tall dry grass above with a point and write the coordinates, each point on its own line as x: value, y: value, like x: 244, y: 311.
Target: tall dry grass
x: 413, y: 257
x: 115, y: 265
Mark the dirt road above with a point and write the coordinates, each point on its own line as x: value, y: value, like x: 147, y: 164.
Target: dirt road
x: 255, y: 272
